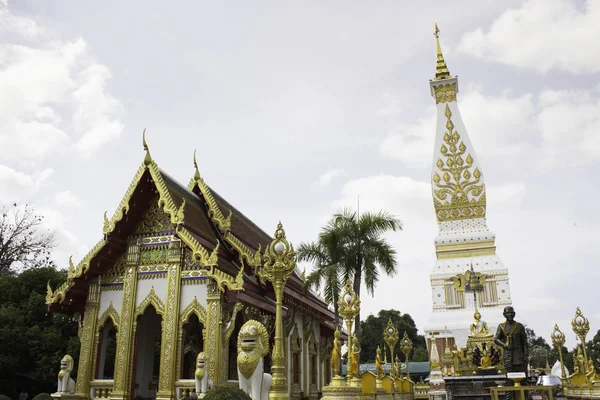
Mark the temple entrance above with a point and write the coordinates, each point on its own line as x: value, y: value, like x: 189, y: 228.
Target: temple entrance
x: 232, y: 373
x: 146, y: 364
x: 107, y: 349
x: 192, y: 344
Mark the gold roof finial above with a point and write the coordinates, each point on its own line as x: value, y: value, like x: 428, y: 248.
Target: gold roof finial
x: 148, y: 158
x: 441, y: 69
x: 197, y: 173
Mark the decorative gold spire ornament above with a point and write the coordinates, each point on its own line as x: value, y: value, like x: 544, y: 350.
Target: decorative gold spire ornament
x: 148, y: 158
x: 406, y: 345
x: 348, y: 308
x: 558, y: 340
x: 441, y: 69
x: 197, y: 172
x: 390, y: 336
x: 279, y: 263
x: 581, y: 327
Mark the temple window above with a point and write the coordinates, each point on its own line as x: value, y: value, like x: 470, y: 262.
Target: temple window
x: 191, y: 345
x: 107, y: 349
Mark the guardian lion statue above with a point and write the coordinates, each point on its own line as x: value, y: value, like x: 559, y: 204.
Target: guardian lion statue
x: 65, y: 383
x: 253, y: 345
x: 202, y: 381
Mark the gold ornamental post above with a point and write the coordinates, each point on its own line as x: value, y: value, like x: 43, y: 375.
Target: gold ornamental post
x: 279, y: 263
x: 349, y: 307
x: 581, y: 327
x: 406, y: 345
x: 558, y: 340
x: 390, y: 336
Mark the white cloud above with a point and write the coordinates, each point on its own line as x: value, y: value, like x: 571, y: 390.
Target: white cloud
x: 18, y: 186
x: 52, y: 93
x: 327, y: 177
x: 66, y: 199
x: 541, y: 35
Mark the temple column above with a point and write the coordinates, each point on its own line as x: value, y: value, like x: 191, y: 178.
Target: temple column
x: 168, y: 356
x: 213, y: 333
x: 125, y: 337
x: 86, y: 357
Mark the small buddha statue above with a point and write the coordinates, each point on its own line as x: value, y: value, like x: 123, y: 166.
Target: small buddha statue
x: 336, y: 353
x: 354, y: 354
x: 478, y: 326
x: 397, y: 368
x: 379, y: 363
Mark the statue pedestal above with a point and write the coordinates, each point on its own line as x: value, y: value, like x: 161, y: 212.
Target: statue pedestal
x: 339, y: 390
x: 65, y: 396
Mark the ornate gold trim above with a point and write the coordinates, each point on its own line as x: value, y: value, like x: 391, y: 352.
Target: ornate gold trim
x: 461, y: 195
x: 111, y: 313
x: 193, y: 308
x: 88, y: 332
x: 214, y: 212
x: 253, y: 259
x: 445, y: 93
x: 199, y: 253
x: 123, y: 208
x: 168, y: 358
x: 125, y: 336
x: 153, y: 299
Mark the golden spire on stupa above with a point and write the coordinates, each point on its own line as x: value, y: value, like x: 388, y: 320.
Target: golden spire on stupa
x: 441, y: 69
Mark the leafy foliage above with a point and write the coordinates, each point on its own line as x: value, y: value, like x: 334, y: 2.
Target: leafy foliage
x: 539, y: 350
x: 3, y: 397
x: 32, y: 342
x: 22, y: 242
x: 351, y: 247
x: 372, y: 336
x: 226, y: 392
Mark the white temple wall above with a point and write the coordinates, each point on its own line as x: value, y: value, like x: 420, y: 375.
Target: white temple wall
x: 188, y: 292
x: 108, y: 296
x: 144, y: 286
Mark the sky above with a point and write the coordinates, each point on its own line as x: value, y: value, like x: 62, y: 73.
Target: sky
x: 298, y: 108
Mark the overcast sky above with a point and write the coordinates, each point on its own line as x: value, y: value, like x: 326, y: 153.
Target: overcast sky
x: 296, y: 108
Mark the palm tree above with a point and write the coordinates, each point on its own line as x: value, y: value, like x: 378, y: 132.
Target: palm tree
x: 327, y: 256
x: 351, y: 247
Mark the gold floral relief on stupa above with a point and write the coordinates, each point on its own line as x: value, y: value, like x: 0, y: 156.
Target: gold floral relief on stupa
x: 459, y: 192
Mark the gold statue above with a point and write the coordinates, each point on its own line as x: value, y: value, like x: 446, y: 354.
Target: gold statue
x: 456, y: 359
x: 379, y: 363
x: 478, y: 327
x: 578, y: 363
x: 336, y: 353
x: 397, y: 367
x: 354, y: 357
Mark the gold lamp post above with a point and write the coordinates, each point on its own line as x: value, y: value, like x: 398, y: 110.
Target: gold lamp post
x: 581, y: 327
x: 390, y: 336
x: 406, y: 345
x: 349, y: 307
x: 279, y: 263
x: 558, y: 340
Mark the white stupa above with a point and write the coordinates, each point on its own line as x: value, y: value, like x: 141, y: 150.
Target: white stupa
x: 464, y: 240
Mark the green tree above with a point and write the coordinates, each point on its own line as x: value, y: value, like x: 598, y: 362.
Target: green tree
x: 329, y: 266
x: 540, y: 351
x: 351, y: 247
x: 372, y: 335
x: 593, y: 349
x: 32, y: 341
x: 23, y: 244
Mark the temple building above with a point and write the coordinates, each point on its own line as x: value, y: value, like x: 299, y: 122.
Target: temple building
x: 175, y: 274
x: 464, y: 242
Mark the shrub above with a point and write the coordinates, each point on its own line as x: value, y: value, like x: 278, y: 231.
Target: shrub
x: 41, y: 396
x: 3, y: 397
x: 226, y: 392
